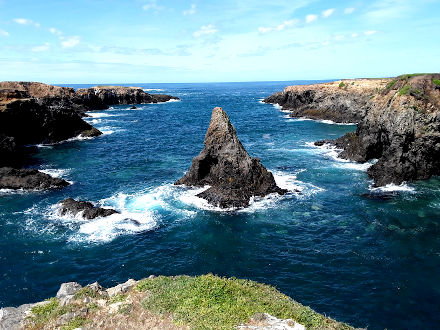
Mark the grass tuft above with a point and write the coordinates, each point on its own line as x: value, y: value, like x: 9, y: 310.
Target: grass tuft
x: 77, y: 322
x: 404, y: 90
x: 341, y: 84
x: 436, y: 82
x: 211, y: 302
x: 117, y: 298
x: 86, y: 292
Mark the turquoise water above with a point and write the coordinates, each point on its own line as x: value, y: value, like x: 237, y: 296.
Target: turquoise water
x: 365, y: 261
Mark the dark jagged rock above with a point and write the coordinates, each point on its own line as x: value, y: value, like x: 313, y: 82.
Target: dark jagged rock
x: 225, y: 165
x: 101, y: 97
x: 28, y: 179
x: 401, y: 130
x: 89, y: 211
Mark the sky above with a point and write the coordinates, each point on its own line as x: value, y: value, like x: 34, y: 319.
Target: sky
x: 147, y: 41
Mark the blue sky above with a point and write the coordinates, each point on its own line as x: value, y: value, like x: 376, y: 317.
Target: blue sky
x: 104, y: 41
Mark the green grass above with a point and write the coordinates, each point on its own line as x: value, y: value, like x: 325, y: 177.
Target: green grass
x: 404, y: 90
x: 436, y: 82
x: 42, y: 314
x: 390, y: 84
x: 77, y: 322
x: 211, y: 302
x: 117, y: 298
x: 86, y: 292
x: 341, y: 84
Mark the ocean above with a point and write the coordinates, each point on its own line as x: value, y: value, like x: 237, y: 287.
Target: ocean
x: 367, y: 261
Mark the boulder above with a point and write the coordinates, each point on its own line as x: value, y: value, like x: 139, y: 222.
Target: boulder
x: 89, y: 211
x: 68, y: 289
x: 233, y: 176
x: 11, y: 178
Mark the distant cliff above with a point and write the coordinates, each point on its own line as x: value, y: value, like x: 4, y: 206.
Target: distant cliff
x: 398, y: 122
x: 34, y: 113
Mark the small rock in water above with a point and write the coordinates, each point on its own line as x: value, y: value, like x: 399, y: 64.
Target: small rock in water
x: 89, y: 211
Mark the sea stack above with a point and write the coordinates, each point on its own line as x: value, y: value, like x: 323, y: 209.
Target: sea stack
x: 223, y: 164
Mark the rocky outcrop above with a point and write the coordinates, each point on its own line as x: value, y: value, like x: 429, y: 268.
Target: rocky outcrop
x: 225, y: 165
x: 87, y: 209
x: 399, y: 124
x: 28, y: 179
x: 344, y: 101
x: 401, y: 130
x: 101, y: 97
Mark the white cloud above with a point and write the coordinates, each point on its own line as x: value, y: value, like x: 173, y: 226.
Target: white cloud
x: 41, y: 48
x: 55, y: 31
x: 349, y: 10
x: 369, y: 33
x: 4, y: 33
x: 22, y: 21
x: 70, y: 42
x: 311, y: 18
x: 354, y: 35
x: 152, y: 4
x: 339, y: 37
x: 205, y: 30
x: 279, y: 27
x: 190, y: 11
x: 328, y: 12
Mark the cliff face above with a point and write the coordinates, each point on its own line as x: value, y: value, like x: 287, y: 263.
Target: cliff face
x: 399, y: 123
x: 342, y: 102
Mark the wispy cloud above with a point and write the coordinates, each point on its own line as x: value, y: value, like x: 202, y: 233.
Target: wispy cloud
x: 70, y: 42
x: 41, y: 48
x: 369, y: 33
x: 311, y: 18
x: 152, y: 4
x: 279, y: 27
x: 205, y: 30
x: 349, y: 10
x: 4, y: 33
x: 354, y: 35
x: 328, y: 12
x: 389, y: 9
x: 55, y: 31
x: 190, y: 11
x: 25, y: 21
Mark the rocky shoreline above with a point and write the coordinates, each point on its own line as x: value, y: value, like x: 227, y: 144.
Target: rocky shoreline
x: 398, y: 122
x: 165, y: 303
x: 36, y: 113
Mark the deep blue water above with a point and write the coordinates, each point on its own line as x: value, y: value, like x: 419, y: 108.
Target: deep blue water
x: 367, y: 262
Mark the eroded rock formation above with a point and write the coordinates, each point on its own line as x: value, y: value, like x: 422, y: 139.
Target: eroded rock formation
x: 225, y: 165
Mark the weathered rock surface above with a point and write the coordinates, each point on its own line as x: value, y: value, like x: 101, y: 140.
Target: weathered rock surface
x: 101, y: 97
x: 89, y: 211
x: 399, y: 126
x: 28, y: 179
x: 225, y: 165
x: 344, y: 101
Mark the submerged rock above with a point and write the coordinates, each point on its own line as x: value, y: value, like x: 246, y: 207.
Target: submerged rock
x: 28, y: 179
x: 89, y: 211
x: 225, y: 165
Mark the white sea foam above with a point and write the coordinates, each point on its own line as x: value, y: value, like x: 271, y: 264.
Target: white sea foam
x: 332, y: 152
x: 56, y: 172
x: 99, y: 115
x: 153, y: 90
x: 393, y: 187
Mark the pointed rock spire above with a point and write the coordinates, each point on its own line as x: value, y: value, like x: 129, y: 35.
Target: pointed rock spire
x: 225, y: 165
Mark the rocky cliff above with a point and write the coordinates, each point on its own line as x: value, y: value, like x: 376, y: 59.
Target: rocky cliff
x: 225, y: 165
x: 33, y: 113
x: 100, y: 97
x: 399, y: 122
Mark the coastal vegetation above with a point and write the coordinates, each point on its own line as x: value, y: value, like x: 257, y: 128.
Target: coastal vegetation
x: 179, y: 302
